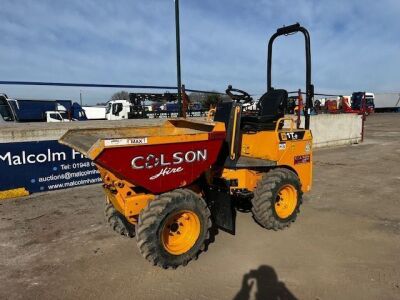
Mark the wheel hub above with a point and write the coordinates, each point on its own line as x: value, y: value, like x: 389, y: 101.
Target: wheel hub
x: 286, y: 201
x: 180, y: 232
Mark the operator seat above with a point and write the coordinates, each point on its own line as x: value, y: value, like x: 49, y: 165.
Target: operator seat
x: 223, y: 112
x: 272, y: 107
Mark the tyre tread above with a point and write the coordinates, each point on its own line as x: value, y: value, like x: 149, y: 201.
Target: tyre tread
x: 263, y: 202
x: 118, y: 223
x: 147, y: 227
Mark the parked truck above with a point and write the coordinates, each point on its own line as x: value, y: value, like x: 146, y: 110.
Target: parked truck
x: 6, y: 112
x: 118, y: 110
x: 46, y: 110
x: 150, y: 105
x: 74, y: 111
x: 357, y: 102
x: 38, y: 111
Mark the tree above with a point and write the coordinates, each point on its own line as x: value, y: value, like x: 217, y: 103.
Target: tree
x: 206, y: 99
x: 212, y: 100
x: 196, y: 97
x: 122, y: 95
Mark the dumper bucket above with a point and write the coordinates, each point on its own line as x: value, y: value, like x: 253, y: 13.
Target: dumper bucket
x: 156, y: 158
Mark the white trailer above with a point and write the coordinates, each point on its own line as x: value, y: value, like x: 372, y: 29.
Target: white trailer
x: 387, y: 102
x: 95, y: 112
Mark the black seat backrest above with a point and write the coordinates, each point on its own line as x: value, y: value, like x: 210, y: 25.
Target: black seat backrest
x: 273, y: 103
x: 223, y: 112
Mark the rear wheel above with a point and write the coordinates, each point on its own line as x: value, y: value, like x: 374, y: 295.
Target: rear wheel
x: 174, y: 228
x: 277, y: 199
x: 118, y: 222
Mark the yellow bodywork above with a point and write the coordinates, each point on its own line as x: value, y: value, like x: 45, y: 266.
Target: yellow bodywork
x: 288, y: 147
x: 123, y: 197
x: 246, y: 179
x: 266, y: 145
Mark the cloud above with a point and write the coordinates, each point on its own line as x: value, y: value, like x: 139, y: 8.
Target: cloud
x: 355, y: 44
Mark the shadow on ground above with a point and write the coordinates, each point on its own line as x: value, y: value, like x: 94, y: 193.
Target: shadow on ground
x: 263, y: 284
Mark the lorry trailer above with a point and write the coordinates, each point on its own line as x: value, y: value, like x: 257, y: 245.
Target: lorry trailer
x: 387, y: 102
x: 95, y: 112
x: 33, y: 110
x: 28, y: 110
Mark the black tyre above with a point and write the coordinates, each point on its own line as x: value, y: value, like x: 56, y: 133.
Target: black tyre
x: 174, y: 228
x: 277, y: 199
x: 118, y: 222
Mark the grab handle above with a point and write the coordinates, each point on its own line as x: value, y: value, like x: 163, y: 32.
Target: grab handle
x: 292, y: 123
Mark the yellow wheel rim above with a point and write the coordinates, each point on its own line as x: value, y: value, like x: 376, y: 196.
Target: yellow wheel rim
x: 180, y: 232
x: 286, y: 201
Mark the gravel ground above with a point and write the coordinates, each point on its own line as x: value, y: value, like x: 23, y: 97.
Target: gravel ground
x: 344, y: 245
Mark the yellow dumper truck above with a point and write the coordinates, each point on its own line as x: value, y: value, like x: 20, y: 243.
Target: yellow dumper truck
x: 168, y: 185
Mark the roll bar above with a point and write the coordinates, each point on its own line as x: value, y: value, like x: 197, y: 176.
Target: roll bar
x: 286, y: 30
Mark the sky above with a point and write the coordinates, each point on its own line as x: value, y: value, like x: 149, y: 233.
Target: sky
x: 355, y: 45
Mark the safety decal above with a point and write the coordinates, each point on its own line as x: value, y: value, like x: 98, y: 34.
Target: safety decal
x: 302, y: 159
x: 121, y: 142
x: 282, y: 146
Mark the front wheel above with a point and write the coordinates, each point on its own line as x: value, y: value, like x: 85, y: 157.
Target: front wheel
x: 174, y: 228
x: 277, y: 199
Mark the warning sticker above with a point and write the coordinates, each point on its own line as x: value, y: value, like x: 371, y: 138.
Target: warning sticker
x: 121, y: 142
x: 302, y: 159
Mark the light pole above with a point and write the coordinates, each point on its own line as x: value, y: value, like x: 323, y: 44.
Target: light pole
x: 178, y: 57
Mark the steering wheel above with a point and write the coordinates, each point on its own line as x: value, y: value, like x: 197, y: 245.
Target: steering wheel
x: 238, y: 95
